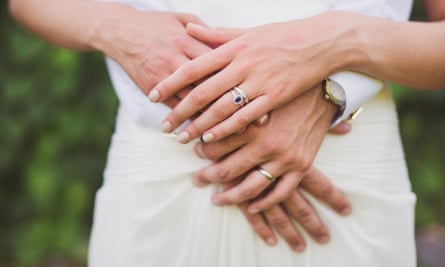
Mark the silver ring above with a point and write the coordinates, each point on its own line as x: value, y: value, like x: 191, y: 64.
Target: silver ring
x: 266, y: 174
x: 239, y: 96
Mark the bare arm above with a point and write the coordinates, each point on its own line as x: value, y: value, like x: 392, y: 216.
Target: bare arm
x: 59, y: 22
x: 407, y: 53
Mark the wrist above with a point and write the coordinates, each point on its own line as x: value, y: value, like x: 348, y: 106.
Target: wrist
x: 103, y: 25
x: 349, y: 40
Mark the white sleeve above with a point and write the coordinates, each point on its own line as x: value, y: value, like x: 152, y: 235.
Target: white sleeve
x: 358, y: 88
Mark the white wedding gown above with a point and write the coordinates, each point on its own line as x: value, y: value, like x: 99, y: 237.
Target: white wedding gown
x: 148, y: 213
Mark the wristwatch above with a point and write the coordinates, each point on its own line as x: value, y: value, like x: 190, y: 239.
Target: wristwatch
x: 335, y: 93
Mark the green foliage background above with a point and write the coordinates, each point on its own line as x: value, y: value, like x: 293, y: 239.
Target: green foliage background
x: 56, y: 117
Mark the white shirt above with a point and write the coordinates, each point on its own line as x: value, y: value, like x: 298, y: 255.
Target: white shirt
x: 358, y: 88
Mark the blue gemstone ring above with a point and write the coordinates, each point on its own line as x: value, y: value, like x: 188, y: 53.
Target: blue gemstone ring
x: 239, y: 96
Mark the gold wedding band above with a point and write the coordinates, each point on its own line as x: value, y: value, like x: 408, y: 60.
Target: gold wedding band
x: 266, y: 174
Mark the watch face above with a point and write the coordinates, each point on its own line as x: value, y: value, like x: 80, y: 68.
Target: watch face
x: 337, y: 92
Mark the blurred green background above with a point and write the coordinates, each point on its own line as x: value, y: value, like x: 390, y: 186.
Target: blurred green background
x: 56, y: 117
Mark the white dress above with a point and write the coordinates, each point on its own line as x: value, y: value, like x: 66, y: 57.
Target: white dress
x: 148, y: 213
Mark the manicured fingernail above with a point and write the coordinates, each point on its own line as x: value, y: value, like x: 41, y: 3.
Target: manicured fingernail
x: 346, y: 211
x: 183, y: 137
x: 299, y: 247
x: 323, y: 239
x: 271, y: 241
x: 208, y: 137
x: 217, y: 201
x: 154, y: 96
x: 253, y: 210
x: 166, y: 127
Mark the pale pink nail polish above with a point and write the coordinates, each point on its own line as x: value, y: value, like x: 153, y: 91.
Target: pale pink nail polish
x: 154, y: 96
x: 166, y: 127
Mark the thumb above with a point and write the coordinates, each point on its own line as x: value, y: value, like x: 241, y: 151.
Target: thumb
x: 342, y: 128
x: 215, y: 36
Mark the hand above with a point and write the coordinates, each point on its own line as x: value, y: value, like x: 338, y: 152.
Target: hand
x: 272, y: 64
x: 296, y: 208
x: 286, y: 147
x: 149, y: 45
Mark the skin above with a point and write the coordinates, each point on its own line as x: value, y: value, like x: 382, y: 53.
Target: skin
x: 278, y: 62
x: 149, y: 53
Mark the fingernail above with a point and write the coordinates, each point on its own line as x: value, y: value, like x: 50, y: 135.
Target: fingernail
x: 253, y: 210
x: 166, y: 127
x: 154, y: 96
x: 200, y: 151
x: 183, y: 137
x: 216, y: 201
x: 191, y: 24
x: 323, y: 239
x: 262, y: 120
x: 346, y: 211
x: 198, y: 183
x: 208, y: 137
x: 299, y: 247
x: 271, y: 241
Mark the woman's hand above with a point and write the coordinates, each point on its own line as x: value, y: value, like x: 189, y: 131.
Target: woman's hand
x: 272, y: 64
x: 286, y: 147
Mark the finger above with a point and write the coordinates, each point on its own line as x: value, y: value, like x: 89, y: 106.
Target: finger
x: 342, y: 128
x: 189, y: 73
x: 318, y: 185
x: 203, y: 95
x: 300, y: 209
x: 213, y: 35
x: 193, y: 48
x: 217, y: 150
x: 186, y: 18
x: 282, y: 190
x: 259, y: 225
x: 281, y: 222
x: 240, y: 162
x: 249, y: 188
x: 240, y: 119
x: 221, y: 109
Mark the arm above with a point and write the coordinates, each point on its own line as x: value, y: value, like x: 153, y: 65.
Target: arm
x: 92, y: 26
x: 133, y: 38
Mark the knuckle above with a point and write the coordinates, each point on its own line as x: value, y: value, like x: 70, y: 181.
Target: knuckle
x: 271, y: 147
x: 223, y: 174
x: 243, y: 120
x: 189, y: 72
x: 279, y: 222
x: 319, y: 230
x: 221, y: 111
x: 304, y: 213
x: 283, y: 195
x: 197, y: 99
x: 326, y: 191
x: 289, y: 159
x: 247, y: 192
x: 303, y: 164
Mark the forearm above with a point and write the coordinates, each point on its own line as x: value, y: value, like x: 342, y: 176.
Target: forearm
x: 408, y: 53
x: 72, y: 24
